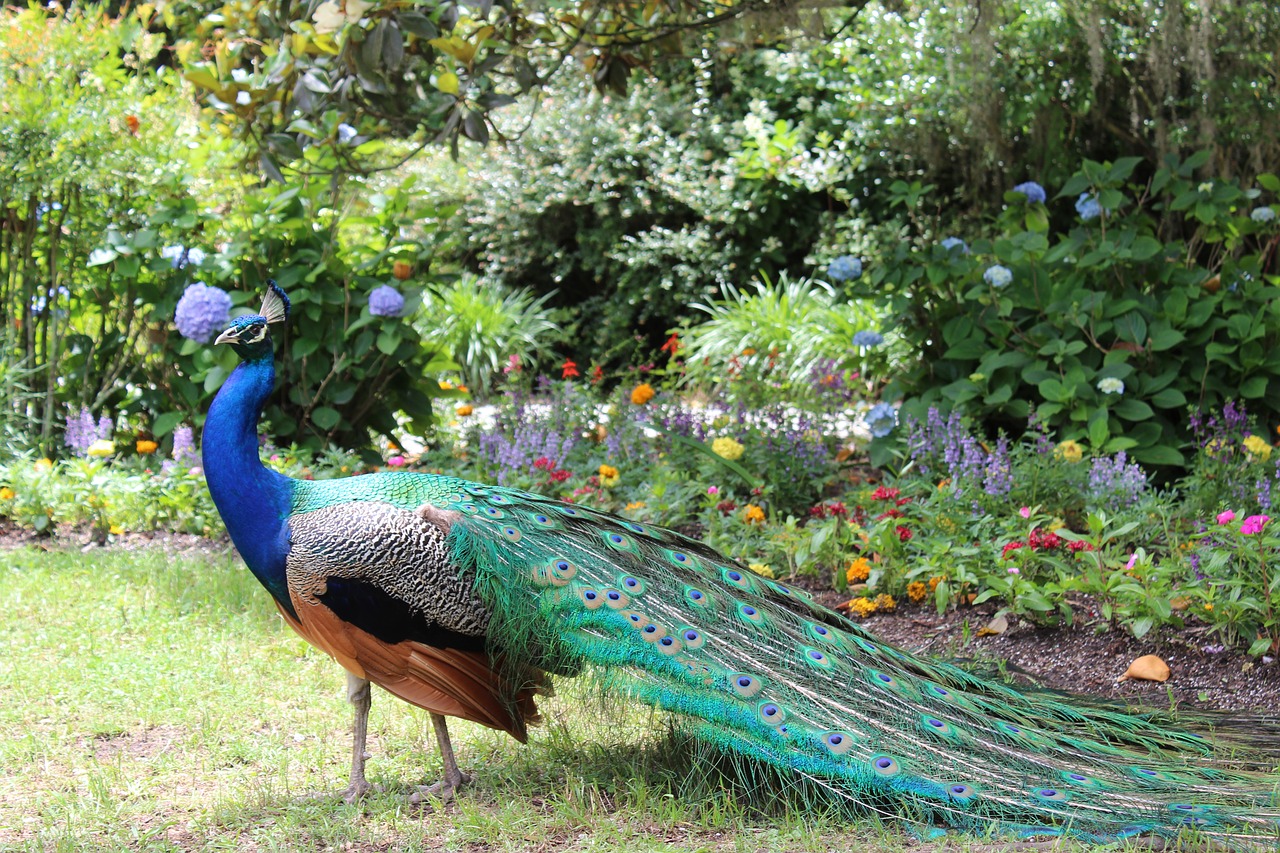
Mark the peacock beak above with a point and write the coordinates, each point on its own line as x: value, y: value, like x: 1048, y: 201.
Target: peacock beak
x: 230, y: 336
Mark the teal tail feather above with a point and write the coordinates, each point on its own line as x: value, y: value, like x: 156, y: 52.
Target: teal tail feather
x: 763, y: 672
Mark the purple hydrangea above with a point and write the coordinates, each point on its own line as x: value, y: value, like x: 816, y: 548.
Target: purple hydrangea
x: 203, y: 311
x: 868, y: 338
x: 951, y: 243
x: 844, y: 268
x: 386, y: 301
x: 1034, y: 192
x: 1088, y: 207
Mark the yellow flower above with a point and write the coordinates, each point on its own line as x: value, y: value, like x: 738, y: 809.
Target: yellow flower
x: 144, y: 447
x: 934, y: 581
x: 749, y: 351
x: 464, y: 410
x: 917, y: 591
x: 7, y: 494
x: 727, y: 448
x: 1215, y: 446
x: 1069, y: 450
x: 762, y: 570
x: 884, y: 601
x: 115, y: 530
x: 102, y: 447
x: 862, y: 607
x: 635, y: 505
x: 1257, y: 447
x: 858, y: 571
x: 1208, y: 607
x: 608, y: 476
x: 44, y: 464
x: 445, y: 385
x: 642, y: 393
x: 753, y: 514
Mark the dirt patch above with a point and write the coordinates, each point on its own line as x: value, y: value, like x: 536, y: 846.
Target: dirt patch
x: 135, y: 745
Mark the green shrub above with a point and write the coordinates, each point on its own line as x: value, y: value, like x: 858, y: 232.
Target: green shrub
x: 1157, y: 302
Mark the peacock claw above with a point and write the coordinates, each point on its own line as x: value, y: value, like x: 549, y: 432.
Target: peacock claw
x: 444, y: 790
x: 357, y: 791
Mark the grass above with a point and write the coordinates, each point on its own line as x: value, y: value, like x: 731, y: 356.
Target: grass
x: 150, y: 701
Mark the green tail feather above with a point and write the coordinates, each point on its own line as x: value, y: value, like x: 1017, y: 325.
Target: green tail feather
x: 763, y: 672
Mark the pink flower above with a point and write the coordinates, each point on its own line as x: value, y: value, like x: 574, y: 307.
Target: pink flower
x: 1133, y: 560
x: 713, y: 490
x: 1025, y: 512
x: 1013, y: 570
x: 1253, y: 524
x: 1226, y: 517
x: 395, y: 461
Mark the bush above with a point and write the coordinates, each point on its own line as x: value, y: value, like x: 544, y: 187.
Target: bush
x: 1161, y: 296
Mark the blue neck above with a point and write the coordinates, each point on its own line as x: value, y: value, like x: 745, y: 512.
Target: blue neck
x: 253, y: 501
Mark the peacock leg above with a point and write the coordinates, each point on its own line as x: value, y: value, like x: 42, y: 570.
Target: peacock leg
x: 358, y: 695
x: 453, y: 777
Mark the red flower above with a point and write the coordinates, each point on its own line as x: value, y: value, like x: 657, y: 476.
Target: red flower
x: 1076, y: 545
x: 542, y: 463
x: 1012, y: 546
x: 672, y: 345
x: 726, y: 507
x: 903, y: 501
x: 133, y: 124
x: 559, y: 476
x: 597, y: 375
x: 1047, y: 541
x: 569, y: 369
x: 883, y: 494
x: 904, y: 534
x: 889, y: 513
x: 834, y: 508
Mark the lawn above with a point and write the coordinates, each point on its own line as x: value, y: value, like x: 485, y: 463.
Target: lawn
x: 155, y: 701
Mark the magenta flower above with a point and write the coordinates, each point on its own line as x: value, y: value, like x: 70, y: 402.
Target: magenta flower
x: 1133, y: 561
x: 396, y: 461
x: 713, y: 490
x: 1013, y: 570
x: 1254, y: 524
x: 1025, y: 512
x: 1226, y: 517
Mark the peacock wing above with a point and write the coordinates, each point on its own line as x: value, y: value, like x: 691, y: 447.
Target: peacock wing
x: 763, y: 671
x: 372, y: 584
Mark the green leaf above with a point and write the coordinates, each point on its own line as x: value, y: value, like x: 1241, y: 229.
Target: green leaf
x: 1099, y: 432
x: 165, y: 424
x: 325, y: 417
x: 1169, y: 398
x: 98, y: 257
x: 1254, y: 387
x: 1158, y: 454
x: 388, y: 340
x: 1132, y: 328
x: 1145, y: 248
x: 1164, y: 338
x: 1260, y: 646
x: 1132, y: 410
x: 704, y: 448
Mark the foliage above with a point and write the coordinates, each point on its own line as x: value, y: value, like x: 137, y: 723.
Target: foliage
x: 1109, y: 330
x: 787, y: 330
x: 481, y: 325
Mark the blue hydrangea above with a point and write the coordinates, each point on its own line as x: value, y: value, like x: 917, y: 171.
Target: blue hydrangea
x: 203, y: 311
x: 346, y: 133
x: 844, y: 268
x: 1034, y: 192
x: 1087, y: 206
x: 868, y: 338
x: 881, y: 419
x: 386, y: 301
x: 998, y: 276
x: 955, y: 243
x: 180, y: 256
x: 1263, y: 214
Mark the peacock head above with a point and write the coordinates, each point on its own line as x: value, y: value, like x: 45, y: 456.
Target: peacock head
x: 249, y: 335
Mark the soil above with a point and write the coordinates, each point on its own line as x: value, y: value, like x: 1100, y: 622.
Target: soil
x: 1087, y: 657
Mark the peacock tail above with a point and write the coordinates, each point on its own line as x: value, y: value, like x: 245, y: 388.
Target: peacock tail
x: 760, y: 670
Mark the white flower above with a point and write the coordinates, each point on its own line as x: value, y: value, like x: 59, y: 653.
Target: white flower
x: 998, y: 276
x: 1110, y: 385
x: 1263, y: 214
x: 1206, y: 187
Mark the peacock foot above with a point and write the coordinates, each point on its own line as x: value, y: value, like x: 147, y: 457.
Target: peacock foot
x: 443, y: 790
x: 357, y: 790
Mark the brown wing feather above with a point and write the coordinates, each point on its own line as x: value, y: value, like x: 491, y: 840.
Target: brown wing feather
x: 451, y: 682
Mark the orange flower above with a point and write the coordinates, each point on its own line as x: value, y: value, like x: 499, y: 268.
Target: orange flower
x: 133, y: 124
x: 916, y: 591
x: 464, y: 410
x: 862, y: 607
x: 7, y: 494
x: 753, y: 514
x: 749, y: 351
x: 934, y: 581
x: 859, y: 570
x: 402, y: 270
x: 569, y: 369
x: 144, y: 447
x: 672, y: 345
x: 642, y: 393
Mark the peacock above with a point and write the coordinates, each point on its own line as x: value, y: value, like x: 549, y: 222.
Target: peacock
x: 467, y: 600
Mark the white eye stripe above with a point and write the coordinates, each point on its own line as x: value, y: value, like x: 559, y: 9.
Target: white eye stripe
x: 257, y: 332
